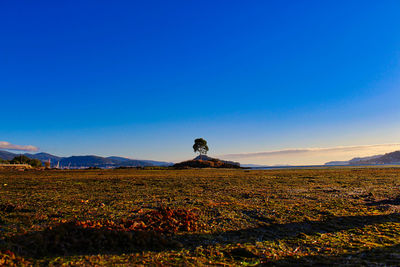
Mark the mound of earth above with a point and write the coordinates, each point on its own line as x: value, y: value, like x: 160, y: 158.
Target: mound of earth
x: 206, y: 162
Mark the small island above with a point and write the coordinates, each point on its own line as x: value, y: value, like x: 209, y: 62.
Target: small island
x: 203, y: 161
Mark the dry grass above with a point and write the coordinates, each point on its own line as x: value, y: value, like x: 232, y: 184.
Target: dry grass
x: 226, y: 217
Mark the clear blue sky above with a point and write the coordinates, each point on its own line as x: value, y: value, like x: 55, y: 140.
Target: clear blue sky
x: 144, y: 78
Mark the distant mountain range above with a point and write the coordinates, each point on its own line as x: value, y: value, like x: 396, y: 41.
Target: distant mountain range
x: 114, y: 161
x: 87, y: 161
x: 386, y: 159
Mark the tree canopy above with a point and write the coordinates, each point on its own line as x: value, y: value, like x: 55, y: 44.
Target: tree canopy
x: 22, y: 159
x: 200, y: 146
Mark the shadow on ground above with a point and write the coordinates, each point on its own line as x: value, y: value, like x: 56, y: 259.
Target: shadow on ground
x: 279, y: 231
x: 71, y: 239
x: 385, y: 256
x: 394, y: 201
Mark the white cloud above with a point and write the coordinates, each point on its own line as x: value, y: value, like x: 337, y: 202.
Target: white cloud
x: 312, y: 155
x: 7, y: 145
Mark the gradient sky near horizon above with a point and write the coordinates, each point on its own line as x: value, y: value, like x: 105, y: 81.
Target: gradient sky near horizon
x: 259, y: 80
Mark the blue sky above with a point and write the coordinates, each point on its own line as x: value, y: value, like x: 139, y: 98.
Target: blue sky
x: 142, y: 79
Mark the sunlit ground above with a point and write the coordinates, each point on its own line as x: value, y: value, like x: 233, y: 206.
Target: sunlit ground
x: 200, y: 217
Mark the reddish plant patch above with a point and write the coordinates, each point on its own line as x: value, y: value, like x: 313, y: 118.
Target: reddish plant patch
x: 167, y: 220
x: 163, y: 220
x: 8, y: 258
x: 149, y: 231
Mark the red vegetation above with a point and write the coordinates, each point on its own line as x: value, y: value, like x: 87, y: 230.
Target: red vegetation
x: 8, y: 258
x: 149, y: 230
x: 162, y: 220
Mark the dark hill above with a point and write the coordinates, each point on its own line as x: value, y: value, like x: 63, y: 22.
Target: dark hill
x: 85, y: 161
x: 207, y: 162
x: 7, y: 155
x: 207, y: 158
x: 44, y: 157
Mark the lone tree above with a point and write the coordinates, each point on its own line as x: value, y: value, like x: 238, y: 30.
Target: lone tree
x: 200, y: 145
